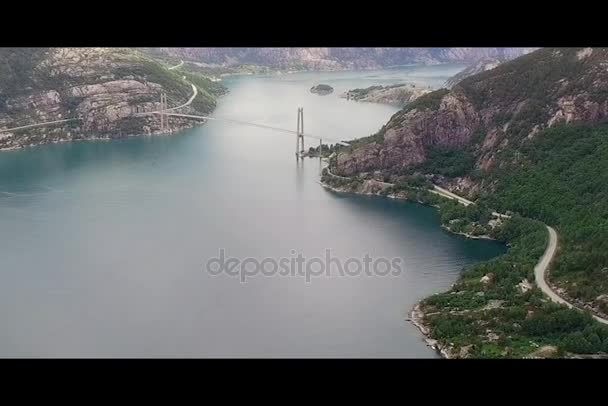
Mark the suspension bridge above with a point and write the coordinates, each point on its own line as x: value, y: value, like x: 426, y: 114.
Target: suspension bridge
x: 164, y: 112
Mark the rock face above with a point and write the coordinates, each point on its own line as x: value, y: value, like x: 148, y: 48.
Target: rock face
x: 103, y: 87
x: 481, y: 65
x: 488, y: 112
x: 408, y: 134
x: 322, y: 90
x: 338, y: 58
x: 398, y: 95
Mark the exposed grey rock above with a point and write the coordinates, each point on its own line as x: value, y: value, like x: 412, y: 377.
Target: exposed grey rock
x: 103, y: 87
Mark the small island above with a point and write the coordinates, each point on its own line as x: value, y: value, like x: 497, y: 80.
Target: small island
x: 322, y: 90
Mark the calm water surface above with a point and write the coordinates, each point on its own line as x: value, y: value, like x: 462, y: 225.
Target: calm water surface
x: 103, y: 245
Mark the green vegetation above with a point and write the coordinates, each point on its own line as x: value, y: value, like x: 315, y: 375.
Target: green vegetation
x: 561, y: 178
x: 488, y: 312
x: 564, y: 182
x: 208, y: 91
x: 18, y: 70
x: 360, y: 93
x: 429, y: 101
x: 535, y: 76
x: 322, y: 89
x: 451, y: 162
x: 415, y: 181
x: 377, y: 138
x: 537, y: 80
x: 326, y: 150
x: 346, y: 184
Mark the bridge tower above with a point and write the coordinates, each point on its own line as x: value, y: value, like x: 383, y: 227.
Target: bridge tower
x: 300, y: 134
x: 163, y: 116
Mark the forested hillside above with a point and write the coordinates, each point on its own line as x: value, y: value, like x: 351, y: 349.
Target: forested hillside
x: 528, y: 137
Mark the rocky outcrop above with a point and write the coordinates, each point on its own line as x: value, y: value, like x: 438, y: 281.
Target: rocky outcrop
x: 489, y: 113
x: 102, y: 89
x: 409, y: 133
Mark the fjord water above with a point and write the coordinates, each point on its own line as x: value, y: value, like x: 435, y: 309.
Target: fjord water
x: 103, y: 245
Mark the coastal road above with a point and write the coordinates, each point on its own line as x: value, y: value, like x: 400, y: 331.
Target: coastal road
x: 194, y: 94
x: 190, y: 100
x: 446, y: 193
x: 542, y: 267
x: 540, y: 273
x: 38, y: 125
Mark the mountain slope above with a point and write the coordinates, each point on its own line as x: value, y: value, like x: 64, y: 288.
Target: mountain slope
x: 488, y: 115
x: 103, y: 86
x: 529, y: 138
x: 563, y: 181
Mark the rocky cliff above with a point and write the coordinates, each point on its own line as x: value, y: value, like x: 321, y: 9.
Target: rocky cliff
x: 486, y: 117
x: 337, y: 58
x: 103, y: 88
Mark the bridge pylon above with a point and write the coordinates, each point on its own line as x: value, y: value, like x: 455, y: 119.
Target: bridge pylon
x: 300, y: 134
x: 163, y: 116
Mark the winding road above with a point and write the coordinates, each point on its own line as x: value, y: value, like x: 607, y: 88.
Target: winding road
x: 190, y: 100
x: 542, y: 267
x: 541, y: 270
x: 194, y: 94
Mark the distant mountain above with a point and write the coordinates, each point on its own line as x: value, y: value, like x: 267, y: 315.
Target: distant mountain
x: 336, y: 58
x: 482, y: 65
x: 103, y: 86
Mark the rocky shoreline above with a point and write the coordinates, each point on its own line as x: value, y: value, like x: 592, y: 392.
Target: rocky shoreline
x: 401, y: 196
x: 416, y: 316
x: 417, y: 319
x: 154, y: 133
